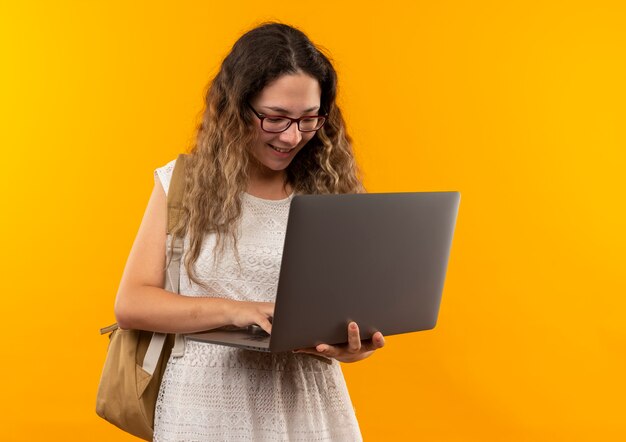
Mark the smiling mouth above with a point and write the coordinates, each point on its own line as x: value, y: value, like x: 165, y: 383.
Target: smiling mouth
x: 277, y: 149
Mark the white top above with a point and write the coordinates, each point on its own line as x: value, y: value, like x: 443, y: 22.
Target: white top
x: 220, y: 393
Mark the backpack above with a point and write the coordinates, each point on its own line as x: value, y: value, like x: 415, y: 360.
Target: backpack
x: 136, y: 359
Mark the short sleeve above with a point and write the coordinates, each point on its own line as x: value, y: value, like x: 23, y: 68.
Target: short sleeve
x: 164, y: 174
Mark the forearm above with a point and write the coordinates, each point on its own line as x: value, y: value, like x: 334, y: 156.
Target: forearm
x: 155, y: 309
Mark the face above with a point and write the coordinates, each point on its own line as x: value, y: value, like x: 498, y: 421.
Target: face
x: 293, y: 96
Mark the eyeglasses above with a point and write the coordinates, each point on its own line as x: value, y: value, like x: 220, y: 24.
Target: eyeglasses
x: 280, y: 123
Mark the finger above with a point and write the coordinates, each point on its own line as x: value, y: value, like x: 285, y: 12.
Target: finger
x: 354, y: 338
x: 265, y: 324
x: 377, y: 341
x: 330, y: 351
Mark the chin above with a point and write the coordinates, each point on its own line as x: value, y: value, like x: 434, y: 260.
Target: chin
x: 277, y: 167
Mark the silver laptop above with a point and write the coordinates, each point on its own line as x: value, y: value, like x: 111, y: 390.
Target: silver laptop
x: 377, y: 259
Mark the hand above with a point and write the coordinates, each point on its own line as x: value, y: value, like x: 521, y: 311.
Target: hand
x: 245, y: 313
x: 353, y: 351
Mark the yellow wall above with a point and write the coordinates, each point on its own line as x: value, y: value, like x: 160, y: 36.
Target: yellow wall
x: 519, y: 105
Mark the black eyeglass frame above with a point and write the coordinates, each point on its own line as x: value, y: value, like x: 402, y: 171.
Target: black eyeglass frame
x: 291, y: 121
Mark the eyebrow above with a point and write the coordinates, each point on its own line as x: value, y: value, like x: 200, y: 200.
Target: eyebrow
x: 285, y: 111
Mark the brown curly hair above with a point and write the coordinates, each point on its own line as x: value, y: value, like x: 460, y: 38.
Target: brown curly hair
x: 217, y: 167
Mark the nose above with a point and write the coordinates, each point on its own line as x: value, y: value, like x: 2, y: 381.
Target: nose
x: 292, y: 136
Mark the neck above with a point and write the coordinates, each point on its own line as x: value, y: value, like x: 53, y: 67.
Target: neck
x: 268, y: 184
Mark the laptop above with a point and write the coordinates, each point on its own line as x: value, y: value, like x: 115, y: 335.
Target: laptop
x: 378, y: 259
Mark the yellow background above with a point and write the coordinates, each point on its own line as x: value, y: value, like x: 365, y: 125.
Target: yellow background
x: 519, y: 105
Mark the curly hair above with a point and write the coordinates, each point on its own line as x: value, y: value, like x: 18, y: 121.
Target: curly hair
x: 218, y: 163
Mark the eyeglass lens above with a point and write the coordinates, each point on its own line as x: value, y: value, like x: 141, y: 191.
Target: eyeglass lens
x: 280, y: 124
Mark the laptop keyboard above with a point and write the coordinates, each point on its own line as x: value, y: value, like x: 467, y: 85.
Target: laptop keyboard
x: 257, y: 338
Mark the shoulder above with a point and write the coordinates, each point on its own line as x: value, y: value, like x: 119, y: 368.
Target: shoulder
x: 164, y: 174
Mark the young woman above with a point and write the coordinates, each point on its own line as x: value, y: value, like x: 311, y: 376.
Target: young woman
x: 271, y: 129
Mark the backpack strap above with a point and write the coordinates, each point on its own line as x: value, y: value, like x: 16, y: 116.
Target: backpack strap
x: 175, y: 193
x: 172, y: 281
x: 174, y: 212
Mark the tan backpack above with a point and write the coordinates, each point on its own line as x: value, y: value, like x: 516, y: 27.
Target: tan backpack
x: 136, y: 359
